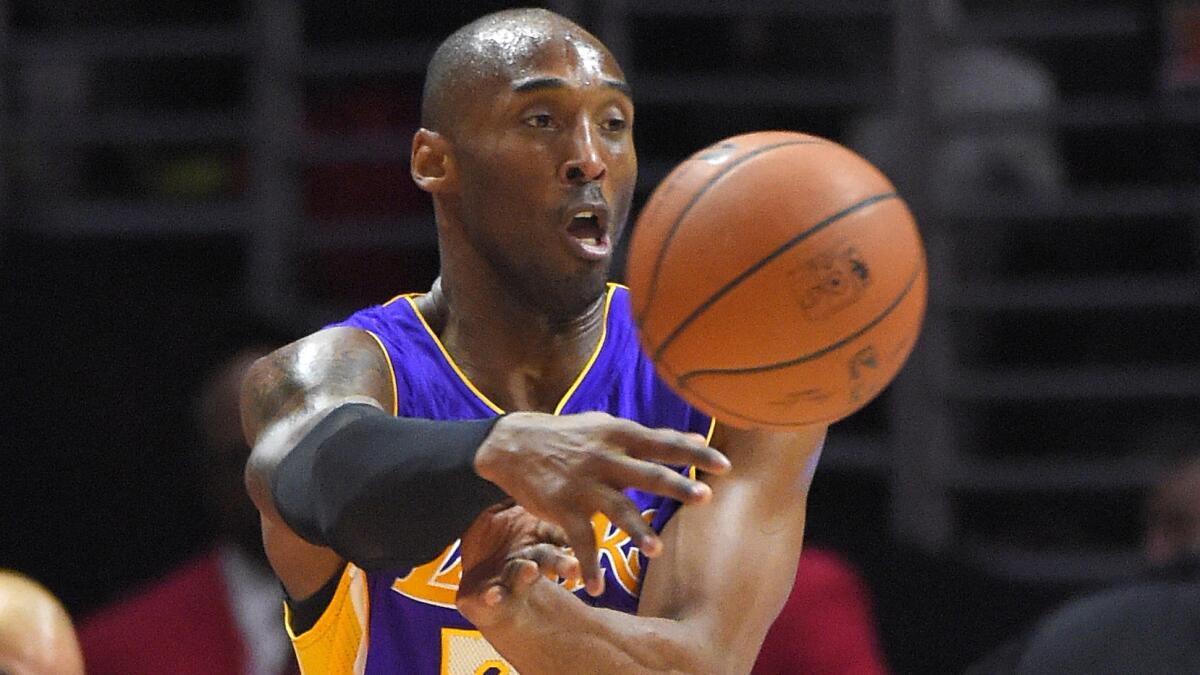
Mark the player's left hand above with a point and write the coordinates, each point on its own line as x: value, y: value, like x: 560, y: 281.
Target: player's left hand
x: 504, y: 553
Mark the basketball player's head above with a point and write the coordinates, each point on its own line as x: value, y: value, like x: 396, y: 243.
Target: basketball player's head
x: 1173, y: 516
x: 36, y: 636
x: 527, y: 124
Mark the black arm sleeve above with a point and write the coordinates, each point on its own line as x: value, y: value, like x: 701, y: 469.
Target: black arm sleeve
x: 383, y: 491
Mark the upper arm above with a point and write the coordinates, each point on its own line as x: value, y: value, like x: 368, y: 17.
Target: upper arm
x: 283, y: 396
x: 728, y: 564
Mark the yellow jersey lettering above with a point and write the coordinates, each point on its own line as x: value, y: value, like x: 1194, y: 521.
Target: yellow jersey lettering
x: 612, y: 543
x: 436, y: 582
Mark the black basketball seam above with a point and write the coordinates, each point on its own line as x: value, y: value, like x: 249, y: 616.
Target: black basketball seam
x: 679, y: 383
x: 812, y: 355
x: 662, y: 251
x: 730, y: 414
x: 749, y: 271
x: 723, y: 409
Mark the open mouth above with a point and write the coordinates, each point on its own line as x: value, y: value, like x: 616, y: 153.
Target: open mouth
x: 586, y: 227
x: 587, y: 230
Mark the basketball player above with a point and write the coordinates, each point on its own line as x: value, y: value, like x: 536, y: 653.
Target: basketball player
x: 389, y: 449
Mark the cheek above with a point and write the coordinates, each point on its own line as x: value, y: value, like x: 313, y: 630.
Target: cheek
x: 622, y: 167
x: 623, y: 170
x: 515, y: 164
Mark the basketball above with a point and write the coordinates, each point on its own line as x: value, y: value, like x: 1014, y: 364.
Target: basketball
x: 777, y: 280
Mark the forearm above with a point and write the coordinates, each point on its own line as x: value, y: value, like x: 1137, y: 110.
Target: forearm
x: 556, y: 633
x: 382, y: 491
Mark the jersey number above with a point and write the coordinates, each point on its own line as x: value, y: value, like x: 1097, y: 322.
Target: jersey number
x: 467, y: 652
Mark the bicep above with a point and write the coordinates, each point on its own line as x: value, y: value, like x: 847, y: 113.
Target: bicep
x: 288, y: 391
x: 728, y: 565
x: 284, y: 395
x: 312, y: 374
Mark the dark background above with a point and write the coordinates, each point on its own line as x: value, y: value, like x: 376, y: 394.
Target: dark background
x: 182, y: 175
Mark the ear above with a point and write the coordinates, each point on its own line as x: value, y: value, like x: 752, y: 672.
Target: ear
x: 432, y: 162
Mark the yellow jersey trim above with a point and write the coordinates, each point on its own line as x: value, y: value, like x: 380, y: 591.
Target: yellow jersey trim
x: 328, y: 619
x: 587, y: 367
x: 391, y: 371
x: 338, y: 641
x: 450, y: 359
x: 362, y: 611
x: 399, y: 297
x: 712, y: 429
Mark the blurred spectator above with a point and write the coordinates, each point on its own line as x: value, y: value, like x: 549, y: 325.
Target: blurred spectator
x: 1181, y: 53
x: 36, y: 637
x: 826, y: 627
x: 990, y: 132
x: 1150, y: 628
x: 1150, y: 625
x: 1173, y: 517
x: 220, y: 612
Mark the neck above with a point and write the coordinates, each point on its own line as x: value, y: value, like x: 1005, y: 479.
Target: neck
x: 519, y: 355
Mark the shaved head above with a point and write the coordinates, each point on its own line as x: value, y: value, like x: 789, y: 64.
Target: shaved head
x: 490, y: 47
x: 36, y: 636
x: 527, y: 121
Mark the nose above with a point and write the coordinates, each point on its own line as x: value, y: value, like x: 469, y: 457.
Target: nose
x: 584, y: 164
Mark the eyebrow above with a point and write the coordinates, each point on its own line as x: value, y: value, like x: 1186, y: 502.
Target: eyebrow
x: 538, y: 83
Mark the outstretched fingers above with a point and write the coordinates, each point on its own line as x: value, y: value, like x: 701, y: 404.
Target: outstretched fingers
x: 624, y: 514
x: 670, y: 447
x: 623, y: 472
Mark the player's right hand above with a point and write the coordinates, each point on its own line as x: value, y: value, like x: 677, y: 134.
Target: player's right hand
x: 565, y: 468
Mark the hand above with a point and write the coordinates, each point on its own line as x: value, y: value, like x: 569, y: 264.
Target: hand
x: 565, y: 468
x: 504, y: 553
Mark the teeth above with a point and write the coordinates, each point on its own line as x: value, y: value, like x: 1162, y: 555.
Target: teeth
x: 585, y: 214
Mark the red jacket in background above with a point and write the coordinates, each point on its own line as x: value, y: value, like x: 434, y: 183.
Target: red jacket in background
x: 826, y: 627
x: 182, y: 625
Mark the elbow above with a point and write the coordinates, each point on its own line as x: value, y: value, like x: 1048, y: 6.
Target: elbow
x: 256, y: 477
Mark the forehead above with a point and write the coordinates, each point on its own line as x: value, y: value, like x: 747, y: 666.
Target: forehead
x: 517, y: 52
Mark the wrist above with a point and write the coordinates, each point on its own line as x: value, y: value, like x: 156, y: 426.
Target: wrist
x: 488, y: 458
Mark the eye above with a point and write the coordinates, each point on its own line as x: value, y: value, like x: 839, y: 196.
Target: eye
x: 540, y: 121
x: 615, y: 124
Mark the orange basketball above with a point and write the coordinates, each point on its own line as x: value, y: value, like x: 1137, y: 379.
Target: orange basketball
x: 777, y: 280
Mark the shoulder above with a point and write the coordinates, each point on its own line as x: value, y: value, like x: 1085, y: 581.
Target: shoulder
x: 383, y: 314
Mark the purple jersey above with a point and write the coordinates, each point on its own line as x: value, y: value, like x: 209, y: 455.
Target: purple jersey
x: 404, y: 620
